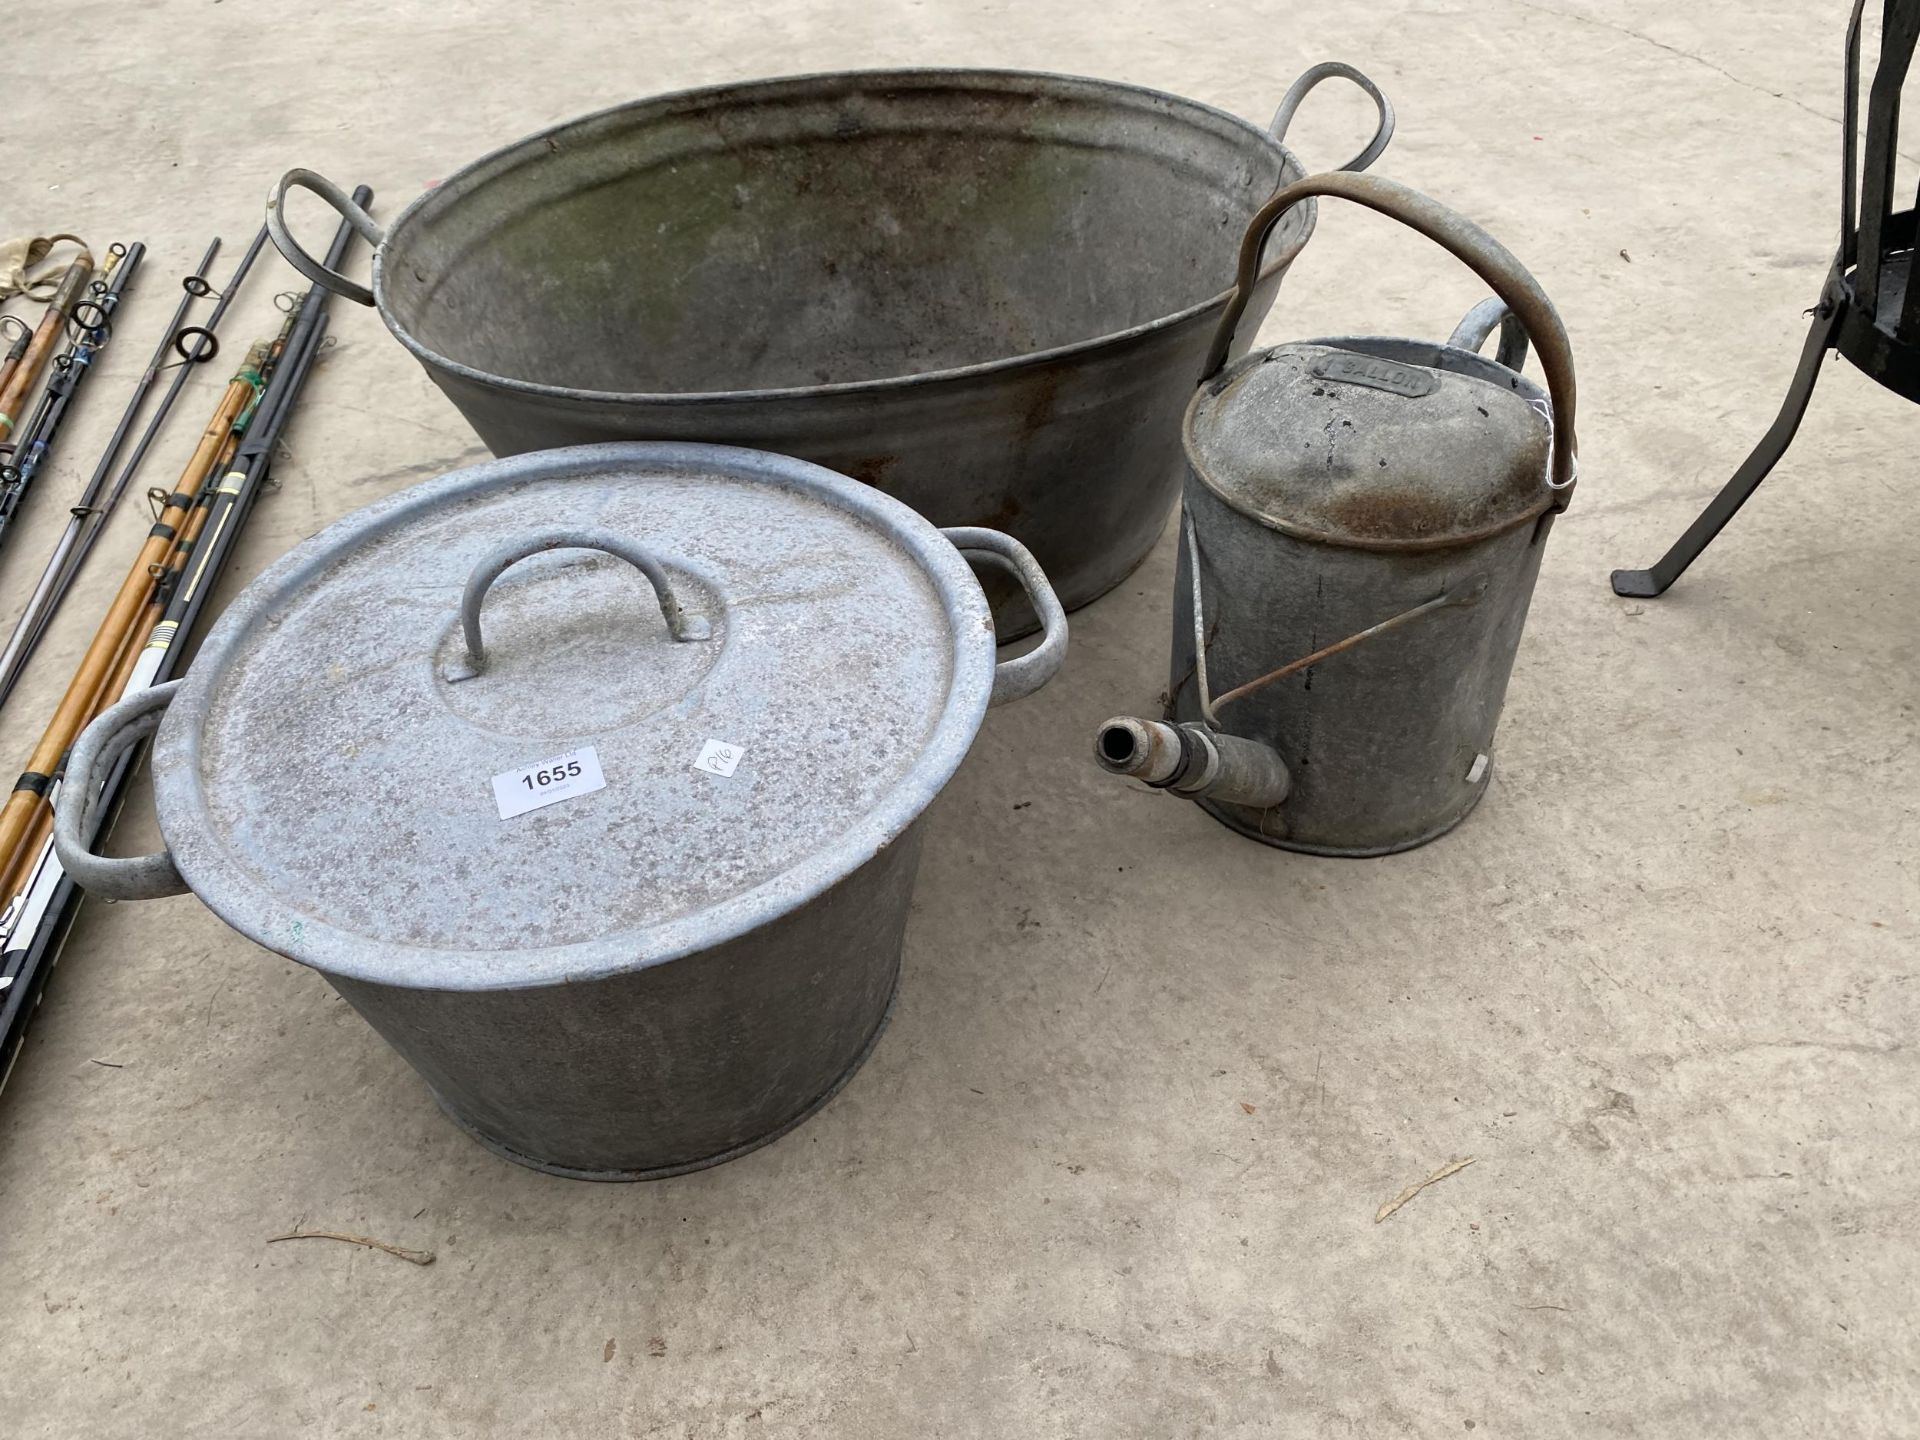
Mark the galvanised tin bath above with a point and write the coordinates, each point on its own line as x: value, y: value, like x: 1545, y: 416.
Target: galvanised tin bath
x: 988, y: 293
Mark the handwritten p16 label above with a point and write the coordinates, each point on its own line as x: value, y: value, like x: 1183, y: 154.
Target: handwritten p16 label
x: 577, y: 772
x: 719, y: 758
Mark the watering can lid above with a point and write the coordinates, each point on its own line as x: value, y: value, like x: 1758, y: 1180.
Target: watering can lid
x: 339, y: 781
x: 1374, y: 442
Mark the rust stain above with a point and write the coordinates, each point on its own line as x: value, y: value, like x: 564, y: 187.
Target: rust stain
x: 1380, y: 514
x: 873, y: 470
x: 1002, y: 516
x: 1045, y: 392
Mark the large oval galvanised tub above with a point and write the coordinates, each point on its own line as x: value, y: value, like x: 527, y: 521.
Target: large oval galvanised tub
x: 987, y: 293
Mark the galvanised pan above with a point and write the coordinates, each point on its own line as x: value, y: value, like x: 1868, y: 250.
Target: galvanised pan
x: 592, y: 779
x: 987, y: 293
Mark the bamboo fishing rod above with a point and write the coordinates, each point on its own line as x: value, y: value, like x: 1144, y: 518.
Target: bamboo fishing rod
x: 46, y: 336
x: 148, y: 637
x: 10, y: 361
x: 42, y: 602
x: 93, y: 318
x: 36, y: 883
x: 114, y: 680
x: 32, y: 946
x: 204, y: 542
x: 228, y: 503
x: 29, y: 797
x: 204, y: 345
x: 118, y: 679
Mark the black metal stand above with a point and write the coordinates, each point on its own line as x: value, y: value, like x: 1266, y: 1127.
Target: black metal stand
x: 1747, y: 478
x: 1868, y: 311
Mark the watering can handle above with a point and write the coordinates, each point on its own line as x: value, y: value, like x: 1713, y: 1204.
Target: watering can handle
x: 350, y: 210
x: 1483, y: 254
x: 1326, y: 70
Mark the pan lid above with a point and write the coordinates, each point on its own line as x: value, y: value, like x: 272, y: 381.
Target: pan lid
x: 1374, y: 442
x: 571, y: 713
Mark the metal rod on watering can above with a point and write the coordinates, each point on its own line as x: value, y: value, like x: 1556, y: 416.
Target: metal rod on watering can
x: 28, y: 801
x: 45, y: 337
x: 94, y: 317
x: 30, y: 950
x: 46, y: 592
x: 1464, y: 595
x: 205, y: 345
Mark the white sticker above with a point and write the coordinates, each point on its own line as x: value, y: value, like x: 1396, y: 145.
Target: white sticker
x: 564, y: 776
x: 1478, y: 771
x: 719, y: 758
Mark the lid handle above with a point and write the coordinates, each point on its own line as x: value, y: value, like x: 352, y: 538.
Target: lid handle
x: 680, y: 624
x: 1487, y: 258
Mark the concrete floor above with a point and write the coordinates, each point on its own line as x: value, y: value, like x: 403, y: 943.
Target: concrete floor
x: 1114, y: 1169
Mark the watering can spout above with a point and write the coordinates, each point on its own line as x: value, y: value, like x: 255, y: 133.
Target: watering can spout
x: 1193, y: 761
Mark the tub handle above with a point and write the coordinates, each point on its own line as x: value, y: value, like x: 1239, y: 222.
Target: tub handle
x: 1479, y: 322
x: 681, y: 625
x: 363, y: 223
x: 1019, y: 677
x: 113, y: 732
x: 1483, y: 254
x: 1326, y: 70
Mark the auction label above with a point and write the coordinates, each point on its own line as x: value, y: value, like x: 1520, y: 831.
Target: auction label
x: 577, y: 772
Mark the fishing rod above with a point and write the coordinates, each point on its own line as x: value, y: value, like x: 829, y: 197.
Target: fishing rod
x: 110, y: 662
x: 28, y: 802
x: 44, y: 599
x: 45, y: 337
x: 205, y: 344
x: 200, y: 543
x: 231, y: 501
x: 234, y: 497
x: 93, y: 318
x: 122, y: 651
x: 113, y: 681
x: 34, y: 912
x: 16, y: 352
x: 32, y: 948
x: 135, y: 663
